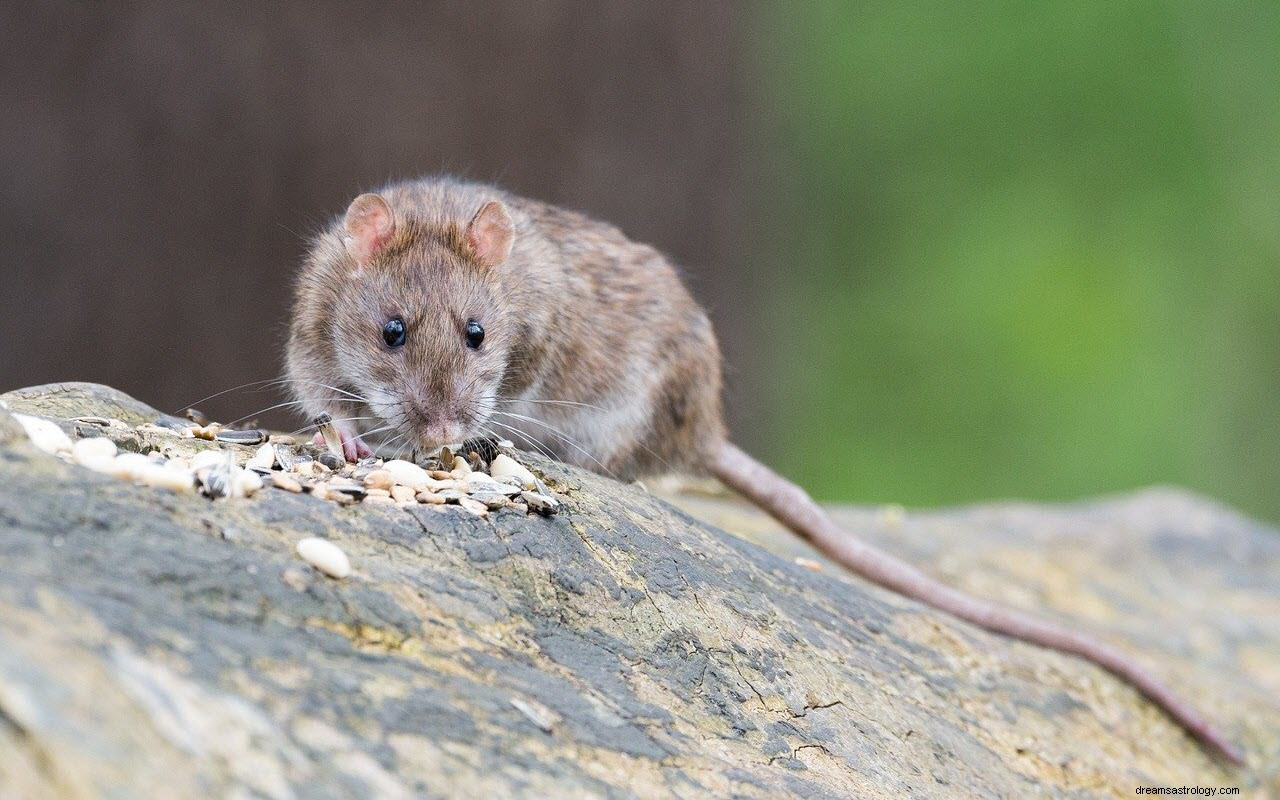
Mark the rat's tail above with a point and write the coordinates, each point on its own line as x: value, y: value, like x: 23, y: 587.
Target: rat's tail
x: 792, y: 506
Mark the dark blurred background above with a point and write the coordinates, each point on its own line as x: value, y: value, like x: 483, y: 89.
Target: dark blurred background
x: 951, y: 255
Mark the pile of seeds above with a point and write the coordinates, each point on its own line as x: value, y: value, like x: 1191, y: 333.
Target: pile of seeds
x: 481, y: 481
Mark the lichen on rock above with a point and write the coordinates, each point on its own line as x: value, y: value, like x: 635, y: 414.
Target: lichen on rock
x: 620, y: 648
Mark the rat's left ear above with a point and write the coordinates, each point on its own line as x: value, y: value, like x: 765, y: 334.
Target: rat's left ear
x: 490, y: 234
x: 369, y: 224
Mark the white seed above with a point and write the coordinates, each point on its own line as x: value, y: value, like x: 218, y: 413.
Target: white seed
x: 282, y: 481
x: 461, y: 468
x: 538, y: 714
x: 543, y: 504
x: 208, y: 458
x: 430, y: 498
x: 245, y: 483
x: 264, y: 458
x: 96, y: 453
x: 377, y: 499
x: 475, y: 507
x: 504, y: 466
x: 325, y: 556
x: 379, y: 479
x: 165, y: 478
x: 402, y: 493
x: 406, y: 474
x: 128, y: 466
x: 44, y: 434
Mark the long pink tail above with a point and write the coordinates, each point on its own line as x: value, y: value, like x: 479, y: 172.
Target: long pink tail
x: 792, y: 506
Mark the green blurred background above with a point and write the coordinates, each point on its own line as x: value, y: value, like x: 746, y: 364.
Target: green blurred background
x: 1037, y: 250
x: 953, y: 253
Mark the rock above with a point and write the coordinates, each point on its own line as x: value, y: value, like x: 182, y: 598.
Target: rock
x: 650, y: 654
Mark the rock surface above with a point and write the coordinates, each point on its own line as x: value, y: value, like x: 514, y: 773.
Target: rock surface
x: 164, y: 645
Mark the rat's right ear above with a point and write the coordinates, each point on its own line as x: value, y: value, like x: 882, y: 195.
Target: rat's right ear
x: 369, y: 225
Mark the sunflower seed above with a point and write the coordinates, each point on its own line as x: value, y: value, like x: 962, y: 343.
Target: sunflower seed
x: 241, y: 437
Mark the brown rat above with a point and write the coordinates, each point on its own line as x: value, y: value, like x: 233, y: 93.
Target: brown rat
x: 437, y: 310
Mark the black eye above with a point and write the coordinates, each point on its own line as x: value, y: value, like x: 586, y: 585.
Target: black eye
x: 393, y: 332
x: 475, y: 334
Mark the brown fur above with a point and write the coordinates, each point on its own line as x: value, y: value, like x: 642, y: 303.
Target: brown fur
x: 596, y: 342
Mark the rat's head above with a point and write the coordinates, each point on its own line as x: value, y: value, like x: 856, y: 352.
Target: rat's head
x: 420, y: 322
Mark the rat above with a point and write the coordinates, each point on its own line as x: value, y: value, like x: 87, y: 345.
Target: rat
x: 437, y: 310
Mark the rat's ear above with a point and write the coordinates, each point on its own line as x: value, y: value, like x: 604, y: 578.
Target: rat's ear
x: 490, y: 234
x: 369, y: 224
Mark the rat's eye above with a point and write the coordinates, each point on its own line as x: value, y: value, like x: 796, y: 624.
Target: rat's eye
x: 475, y: 334
x: 393, y: 332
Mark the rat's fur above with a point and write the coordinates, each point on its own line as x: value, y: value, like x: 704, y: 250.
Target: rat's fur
x: 595, y: 345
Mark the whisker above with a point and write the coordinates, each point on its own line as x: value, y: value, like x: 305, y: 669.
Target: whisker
x: 558, y: 434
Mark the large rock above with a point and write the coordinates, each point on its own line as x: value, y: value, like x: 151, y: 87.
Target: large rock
x: 154, y: 644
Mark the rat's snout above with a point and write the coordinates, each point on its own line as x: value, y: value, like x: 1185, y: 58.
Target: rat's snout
x: 433, y: 424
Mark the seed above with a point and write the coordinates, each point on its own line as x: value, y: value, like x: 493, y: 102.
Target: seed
x: 171, y: 424
x: 537, y: 713
x: 324, y: 423
x: 461, y: 468
x: 101, y: 422
x: 439, y: 474
x: 284, y: 456
x: 402, y: 493
x: 430, y: 498
x: 241, y: 437
x: 282, y: 481
x: 491, y: 500
x: 406, y: 474
x: 378, y: 492
x: 330, y: 461
x: 808, y: 563
x: 175, y: 480
x: 543, y: 504
x: 128, y: 466
x: 282, y: 438
x: 325, y: 556
x: 477, y: 508
x: 264, y: 458
x: 377, y: 499
x: 521, y: 507
x: 208, y: 458
x: 96, y: 453
x: 245, y: 483
x: 504, y: 466
x: 379, y: 479
x: 350, y: 488
x: 44, y: 434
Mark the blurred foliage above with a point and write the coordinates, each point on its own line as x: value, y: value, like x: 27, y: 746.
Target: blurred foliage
x: 1037, y: 250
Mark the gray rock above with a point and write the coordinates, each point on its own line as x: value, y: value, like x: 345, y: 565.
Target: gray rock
x: 620, y: 648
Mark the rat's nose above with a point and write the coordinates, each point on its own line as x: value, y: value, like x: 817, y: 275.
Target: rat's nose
x: 431, y: 427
